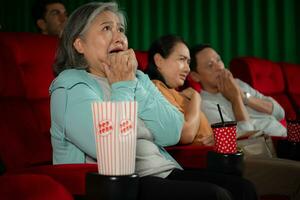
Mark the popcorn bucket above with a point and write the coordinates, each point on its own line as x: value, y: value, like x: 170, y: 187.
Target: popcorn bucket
x: 225, y: 137
x: 115, y: 136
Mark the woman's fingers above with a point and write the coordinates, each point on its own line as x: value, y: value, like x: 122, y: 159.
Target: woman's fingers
x: 132, y: 61
x: 122, y: 66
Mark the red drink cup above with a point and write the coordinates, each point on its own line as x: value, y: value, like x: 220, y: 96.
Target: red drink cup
x: 225, y: 137
x: 293, y: 130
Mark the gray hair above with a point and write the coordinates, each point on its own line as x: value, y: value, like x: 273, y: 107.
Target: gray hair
x: 77, y: 24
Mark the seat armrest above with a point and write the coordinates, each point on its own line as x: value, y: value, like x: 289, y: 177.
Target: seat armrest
x: 71, y: 176
x: 190, y: 156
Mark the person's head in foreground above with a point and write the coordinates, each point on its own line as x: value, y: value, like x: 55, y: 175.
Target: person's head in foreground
x: 206, y: 66
x: 50, y: 16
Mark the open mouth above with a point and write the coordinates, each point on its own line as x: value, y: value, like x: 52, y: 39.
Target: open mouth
x: 115, y: 50
x: 183, y: 76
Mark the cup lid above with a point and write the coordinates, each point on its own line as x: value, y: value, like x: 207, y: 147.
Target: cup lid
x: 293, y: 121
x: 225, y: 124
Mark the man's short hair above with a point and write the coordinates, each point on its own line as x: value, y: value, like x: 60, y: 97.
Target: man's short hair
x: 193, y: 51
x: 39, y: 8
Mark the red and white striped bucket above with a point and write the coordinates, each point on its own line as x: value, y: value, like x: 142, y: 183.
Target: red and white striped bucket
x: 115, y: 136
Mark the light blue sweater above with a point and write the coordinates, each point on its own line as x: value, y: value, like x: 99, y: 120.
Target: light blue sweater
x: 72, y: 133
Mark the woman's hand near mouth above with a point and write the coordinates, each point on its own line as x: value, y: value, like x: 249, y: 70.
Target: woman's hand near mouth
x: 121, y: 66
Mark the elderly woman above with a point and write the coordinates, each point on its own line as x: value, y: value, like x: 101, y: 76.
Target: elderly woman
x: 94, y: 64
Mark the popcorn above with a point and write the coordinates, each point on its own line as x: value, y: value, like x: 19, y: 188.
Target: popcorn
x: 115, y: 136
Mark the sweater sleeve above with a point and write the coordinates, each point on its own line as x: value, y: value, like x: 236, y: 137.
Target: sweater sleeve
x: 162, y: 119
x: 72, y: 113
x: 278, y: 111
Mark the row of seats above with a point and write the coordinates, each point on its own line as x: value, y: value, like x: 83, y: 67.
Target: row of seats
x: 25, y: 146
x: 276, y: 79
x: 25, y: 149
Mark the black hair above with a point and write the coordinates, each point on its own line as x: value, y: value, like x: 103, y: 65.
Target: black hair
x: 193, y: 51
x: 39, y: 8
x: 163, y: 46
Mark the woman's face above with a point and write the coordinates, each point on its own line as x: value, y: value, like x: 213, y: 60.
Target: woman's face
x: 175, y: 67
x: 105, y: 35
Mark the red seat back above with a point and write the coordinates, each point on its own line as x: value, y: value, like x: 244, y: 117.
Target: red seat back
x: 142, y: 58
x: 266, y: 77
x: 291, y: 73
x: 25, y: 75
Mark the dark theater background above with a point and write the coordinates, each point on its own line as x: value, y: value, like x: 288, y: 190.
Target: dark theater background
x: 263, y: 28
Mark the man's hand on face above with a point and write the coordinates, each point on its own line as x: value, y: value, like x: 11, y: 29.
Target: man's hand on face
x: 227, y: 85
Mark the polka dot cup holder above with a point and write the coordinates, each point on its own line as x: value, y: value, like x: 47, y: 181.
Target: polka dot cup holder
x: 225, y: 137
x: 293, y: 130
x: 225, y: 158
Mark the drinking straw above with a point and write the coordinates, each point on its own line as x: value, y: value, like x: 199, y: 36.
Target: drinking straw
x: 220, y: 113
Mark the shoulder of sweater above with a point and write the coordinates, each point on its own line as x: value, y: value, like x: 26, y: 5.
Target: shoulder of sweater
x: 240, y: 82
x: 71, y: 77
x: 141, y: 75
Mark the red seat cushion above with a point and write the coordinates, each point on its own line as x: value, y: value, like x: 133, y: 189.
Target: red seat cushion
x: 190, y: 156
x: 22, y: 143
x: 31, y: 187
x: 71, y: 176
